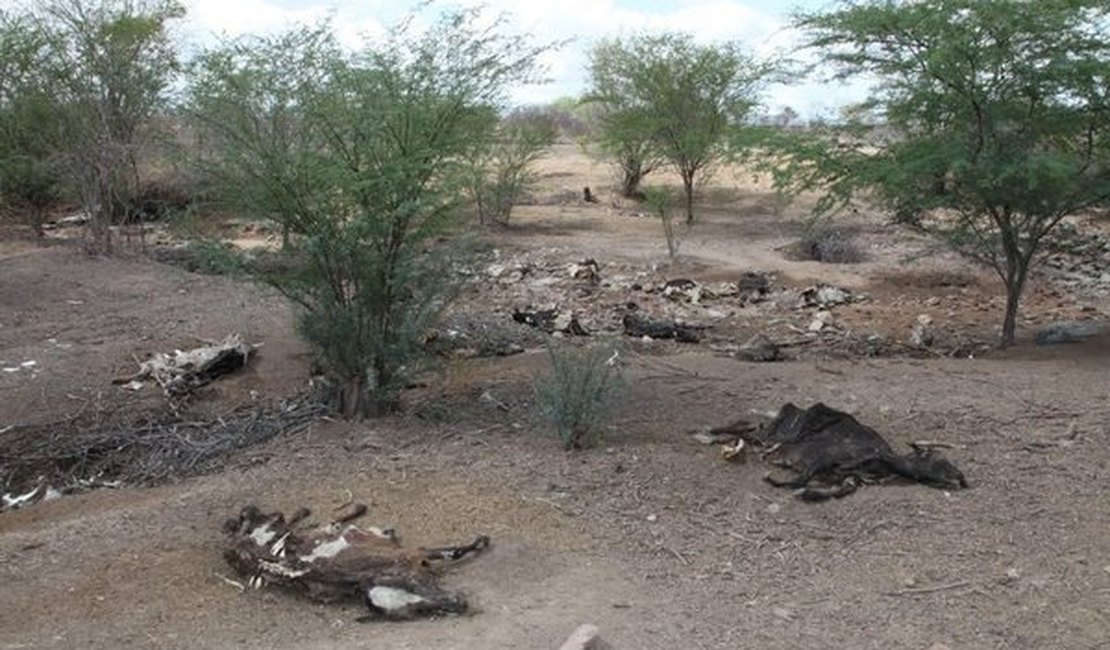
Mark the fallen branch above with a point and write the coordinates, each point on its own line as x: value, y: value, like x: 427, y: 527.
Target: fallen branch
x: 929, y: 590
x: 107, y: 449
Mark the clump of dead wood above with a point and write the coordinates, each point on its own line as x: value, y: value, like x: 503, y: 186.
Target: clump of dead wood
x: 103, y: 447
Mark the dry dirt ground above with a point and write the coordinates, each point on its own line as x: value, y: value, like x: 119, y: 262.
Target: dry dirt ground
x: 652, y: 537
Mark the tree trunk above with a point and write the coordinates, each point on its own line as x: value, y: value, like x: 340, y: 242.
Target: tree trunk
x: 1015, y: 285
x: 353, y: 399
x: 630, y: 182
x: 688, y: 188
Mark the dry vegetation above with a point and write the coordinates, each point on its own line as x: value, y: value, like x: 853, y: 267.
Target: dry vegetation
x: 652, y: 536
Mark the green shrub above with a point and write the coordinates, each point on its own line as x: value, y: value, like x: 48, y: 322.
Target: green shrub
x: 576, y: 394
x: 215, y: 257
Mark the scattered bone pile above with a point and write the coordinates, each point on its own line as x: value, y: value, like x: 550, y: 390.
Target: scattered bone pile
x: 752, y: 317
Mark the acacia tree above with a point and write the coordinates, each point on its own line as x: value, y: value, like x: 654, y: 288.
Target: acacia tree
x: 110, y: 65
x: 1000, y: 116
x: 669, y: 98
x: 30, y: 121
x: 362, y: 158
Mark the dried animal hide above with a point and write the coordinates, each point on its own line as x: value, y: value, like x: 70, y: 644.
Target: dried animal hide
x: 341, y: 561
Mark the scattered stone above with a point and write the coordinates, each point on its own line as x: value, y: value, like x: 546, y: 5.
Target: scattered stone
x: 782, y: 613
x: 587, y: 270
x: 678, y: 284
x: 586, y: 637
x: 686, y: 290
x: 821, y: 320
x: 1069, y: 332
x: 759, y: 349
x: 824, y: 295
x: 568, y: 324
x: 922, y: 334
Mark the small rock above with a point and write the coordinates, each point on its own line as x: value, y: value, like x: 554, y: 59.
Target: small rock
x: 783, y: 613
x: 821, y: 320
x: 939, y: 646
x: 759, y: 348
x: 653, y: 518
x: 586, y: 637
x: 922, y: 334
x: 825, y: 295
x: 587, y: 270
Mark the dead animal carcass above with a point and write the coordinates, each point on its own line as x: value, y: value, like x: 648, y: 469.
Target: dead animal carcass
x: 635, y: 325
x: 183, y: 371
x: 340, y: 560
x: 833, y: 448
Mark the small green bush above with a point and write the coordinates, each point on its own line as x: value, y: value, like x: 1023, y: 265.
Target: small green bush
x: 576, y: 394
x: 658, y: 200
x: 214, y: 257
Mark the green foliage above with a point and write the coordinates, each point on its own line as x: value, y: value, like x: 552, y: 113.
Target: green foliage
x: 215, y: 257
x: 667, y: 98
x: 361, y: 159
x: 995, y: 115
x: 80, y: 81
x: 572, y: 119
x: 658, y: 200
x: 498, y: 175
x: 578, y: 391
x: 29, y: 121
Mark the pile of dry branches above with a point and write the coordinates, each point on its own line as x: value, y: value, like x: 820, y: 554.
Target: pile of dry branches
x: 113, y: 447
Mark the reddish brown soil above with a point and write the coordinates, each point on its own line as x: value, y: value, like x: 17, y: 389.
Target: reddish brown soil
x: 653, y: 537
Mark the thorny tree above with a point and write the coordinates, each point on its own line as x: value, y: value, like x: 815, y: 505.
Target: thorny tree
x: 999, y: 116
x: 361, y: 159
x: 110, y: 67
x: 666, y: 97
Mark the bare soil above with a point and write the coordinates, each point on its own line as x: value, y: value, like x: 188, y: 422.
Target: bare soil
x: 652, y: 537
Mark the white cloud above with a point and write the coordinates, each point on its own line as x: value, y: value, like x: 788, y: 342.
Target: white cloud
x: 209, y: 19
x: 584, y: 21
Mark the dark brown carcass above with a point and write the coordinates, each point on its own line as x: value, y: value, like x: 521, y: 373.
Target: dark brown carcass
x: 833, y: 448
x: 339, y: 561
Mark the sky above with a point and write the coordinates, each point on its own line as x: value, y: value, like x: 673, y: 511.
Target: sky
x: 760, y: 25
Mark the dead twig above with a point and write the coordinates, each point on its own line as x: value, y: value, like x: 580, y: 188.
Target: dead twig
x: 681, y: 558
x: 348, y: 499
x: 554, y: 505
x: 923, y: 445
x: 929, y: 590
